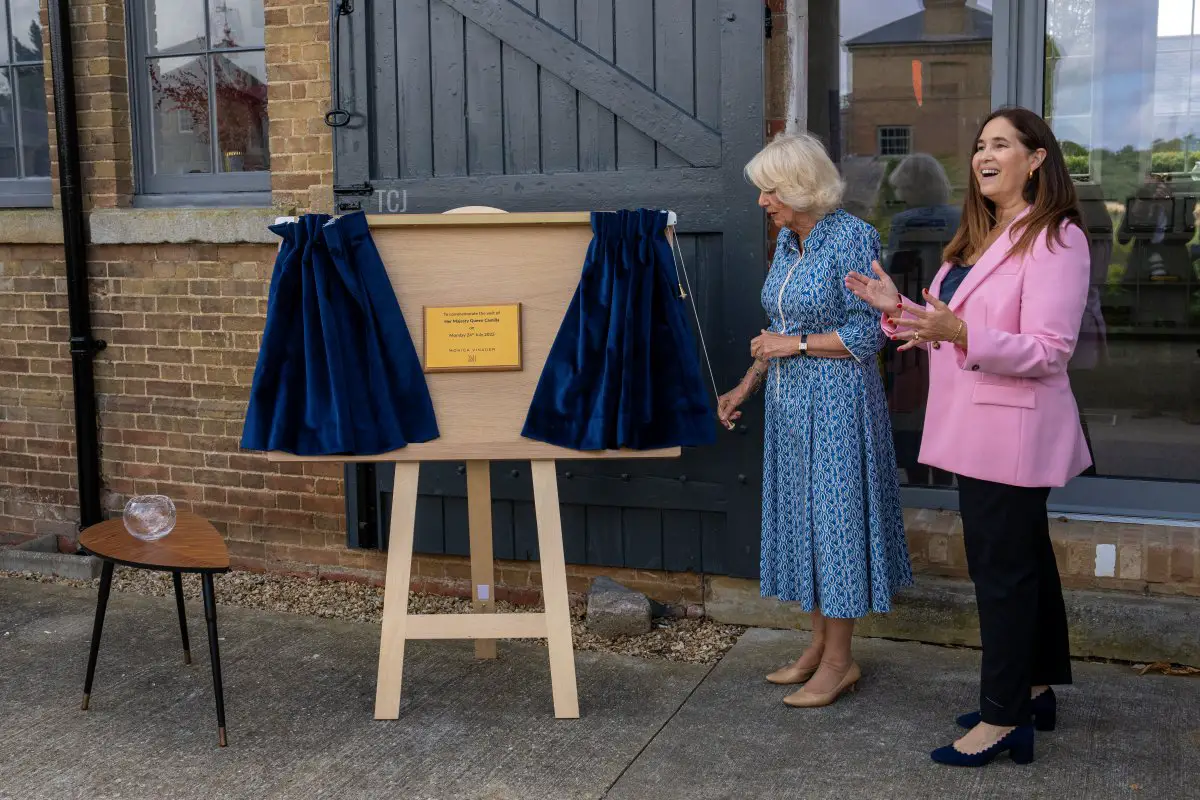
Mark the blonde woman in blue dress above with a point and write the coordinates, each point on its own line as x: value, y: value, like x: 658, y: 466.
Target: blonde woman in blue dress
x: 832, y: 526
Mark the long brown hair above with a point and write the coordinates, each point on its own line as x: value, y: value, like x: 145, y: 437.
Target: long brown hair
x: 1050, y: 193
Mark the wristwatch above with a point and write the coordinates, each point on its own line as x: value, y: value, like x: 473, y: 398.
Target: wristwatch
x: 804, y: 344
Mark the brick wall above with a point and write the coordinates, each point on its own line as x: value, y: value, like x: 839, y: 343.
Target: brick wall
x: 102, y: 102
x: 37, y: 469
x: 182, y: 323
x: 1149, y: 559
x: 298, y: 95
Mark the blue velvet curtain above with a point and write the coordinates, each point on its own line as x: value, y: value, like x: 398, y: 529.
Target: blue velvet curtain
x: 623, y: 370
x: 337, y: 372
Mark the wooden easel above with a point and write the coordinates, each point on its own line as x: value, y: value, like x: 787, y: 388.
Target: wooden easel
x: 482, y: 257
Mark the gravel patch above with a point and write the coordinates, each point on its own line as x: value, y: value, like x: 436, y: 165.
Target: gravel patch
x: 692, y: 641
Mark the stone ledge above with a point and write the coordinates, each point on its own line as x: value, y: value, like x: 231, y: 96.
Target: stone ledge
x: 182, y: 226
x: 145, y: 226
x: 1115, y: 625
x: 41, y: 557
x: 31, y: 226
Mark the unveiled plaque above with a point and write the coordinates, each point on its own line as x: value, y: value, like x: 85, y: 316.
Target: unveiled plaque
x: 473, y: 338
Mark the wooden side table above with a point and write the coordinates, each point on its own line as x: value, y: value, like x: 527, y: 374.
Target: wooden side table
x: 193, y: 546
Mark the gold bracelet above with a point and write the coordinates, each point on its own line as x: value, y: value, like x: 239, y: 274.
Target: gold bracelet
x: 958, y: 332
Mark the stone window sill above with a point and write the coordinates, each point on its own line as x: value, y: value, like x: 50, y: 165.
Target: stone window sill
x: 144, y: 226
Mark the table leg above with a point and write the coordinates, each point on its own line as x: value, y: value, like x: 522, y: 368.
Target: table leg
x: 187, y: 648
x: 214, y: 654
x: 106, y: 574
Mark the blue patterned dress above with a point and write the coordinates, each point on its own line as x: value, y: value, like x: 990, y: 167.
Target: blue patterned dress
x: 832, y: 525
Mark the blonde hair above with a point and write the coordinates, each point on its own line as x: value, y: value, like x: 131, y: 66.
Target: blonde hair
x: 798, y: 170
x: 920, y: 181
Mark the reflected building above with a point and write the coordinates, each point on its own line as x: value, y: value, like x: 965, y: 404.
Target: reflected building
x: 920, y: 83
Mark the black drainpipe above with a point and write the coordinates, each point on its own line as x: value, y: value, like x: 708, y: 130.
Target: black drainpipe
x: 83, y: 346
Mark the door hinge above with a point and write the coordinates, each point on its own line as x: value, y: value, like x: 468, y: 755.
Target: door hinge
x: 768, y: 20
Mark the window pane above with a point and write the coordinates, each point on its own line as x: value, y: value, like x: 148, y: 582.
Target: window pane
x: 1123, y: 96
x: 4, y: 51
x: 241, y: 80
x: 8, y: 129
x: 176, y: 26
x: 35, y: 131
x: 909, y: 85
x: 26, y: 30
x: 237, y: 23
x: 180, y: 118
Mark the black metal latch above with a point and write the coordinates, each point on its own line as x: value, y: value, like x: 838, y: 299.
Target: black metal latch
x: 86, y: 345
x: 768, y: 21
x: 340, y: 204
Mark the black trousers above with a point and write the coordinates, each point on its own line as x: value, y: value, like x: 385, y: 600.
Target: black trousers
x: 1022, y: 619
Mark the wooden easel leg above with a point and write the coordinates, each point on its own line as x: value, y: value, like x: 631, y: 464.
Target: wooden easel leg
x: 554, y: 590
x: 483, y: 572
x: 395, y: 591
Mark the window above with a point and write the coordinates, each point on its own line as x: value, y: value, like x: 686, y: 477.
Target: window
x: 200, y: 82
x: 1122, y: 94
x: 895, y: 140
x: 24, y: 133
x: 915, y: 80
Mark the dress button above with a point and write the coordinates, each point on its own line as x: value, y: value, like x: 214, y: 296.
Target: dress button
x: 975, y: 368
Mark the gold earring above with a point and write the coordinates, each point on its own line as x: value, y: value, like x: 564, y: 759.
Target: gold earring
x: 1030, y: 174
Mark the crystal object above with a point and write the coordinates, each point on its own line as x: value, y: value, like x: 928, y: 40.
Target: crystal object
x: 149, y: 517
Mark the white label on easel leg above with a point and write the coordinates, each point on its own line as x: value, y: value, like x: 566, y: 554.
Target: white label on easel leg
x: 483, y: 591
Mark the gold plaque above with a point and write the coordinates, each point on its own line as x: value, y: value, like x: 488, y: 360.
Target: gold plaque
x: 473, y: 338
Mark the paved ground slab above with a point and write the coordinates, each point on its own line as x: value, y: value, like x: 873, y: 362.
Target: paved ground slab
x: 299, y: 697
x: 734, y: 738
x: 300, y: 694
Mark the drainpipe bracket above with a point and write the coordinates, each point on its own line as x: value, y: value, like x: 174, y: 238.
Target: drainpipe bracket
x: 86, y: 345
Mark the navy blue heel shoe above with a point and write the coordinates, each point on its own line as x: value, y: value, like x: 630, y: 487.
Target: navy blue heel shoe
x: 1044, y: 708
x: 1018, y: 742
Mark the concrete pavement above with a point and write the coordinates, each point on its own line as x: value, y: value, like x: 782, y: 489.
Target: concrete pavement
x: 299, y: 693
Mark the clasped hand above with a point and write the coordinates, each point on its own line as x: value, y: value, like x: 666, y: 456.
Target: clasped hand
x: 928, y: 326
x: 772, y: 345
x: 924, y: 325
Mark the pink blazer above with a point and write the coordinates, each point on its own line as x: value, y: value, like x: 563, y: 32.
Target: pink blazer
x: 1003, y: 411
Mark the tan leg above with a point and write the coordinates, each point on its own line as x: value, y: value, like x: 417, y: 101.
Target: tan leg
x: 554, y: 590
x: 483, y: 571
x: 395, y: 591
x: 837, y: 672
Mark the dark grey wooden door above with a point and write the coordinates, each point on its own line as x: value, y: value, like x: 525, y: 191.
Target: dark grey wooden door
x: 554, y: 105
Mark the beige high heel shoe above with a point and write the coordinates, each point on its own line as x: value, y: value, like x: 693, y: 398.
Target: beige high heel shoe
x: 806, y: 699
x: 791, y: 674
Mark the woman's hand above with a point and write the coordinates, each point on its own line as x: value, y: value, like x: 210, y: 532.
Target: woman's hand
x: 879, y: 292
x: 728, y: 403
x: 938, y: 325
x: 769, y: 345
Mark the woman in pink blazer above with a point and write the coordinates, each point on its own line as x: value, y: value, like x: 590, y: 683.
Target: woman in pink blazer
x: 1000, y: 323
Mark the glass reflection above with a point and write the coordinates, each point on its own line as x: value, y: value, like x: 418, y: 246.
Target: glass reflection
x: 241, y: 80
x: 913, y: 81
x: 236, y: 23
x: 35, y: 130
x: 26, y: 30
x: 8, y: 129
x: 1122, y: 93
x: 176, y: 26
x: 180, y: 108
